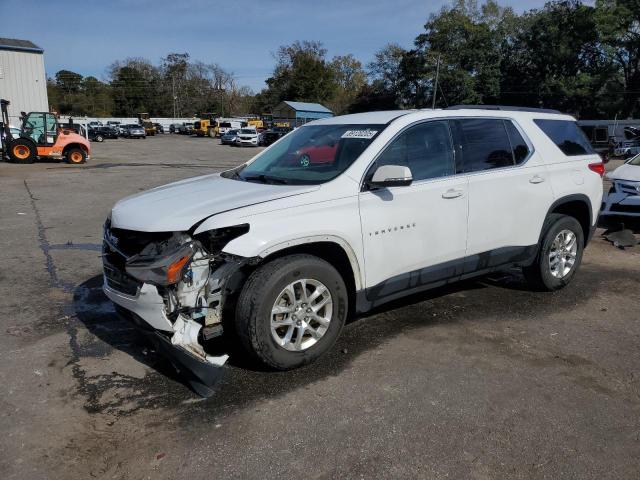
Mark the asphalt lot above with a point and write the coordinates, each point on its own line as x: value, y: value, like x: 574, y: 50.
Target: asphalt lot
x: 481, y: 380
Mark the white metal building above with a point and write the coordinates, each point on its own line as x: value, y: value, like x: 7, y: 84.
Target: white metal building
x: 22, y: 77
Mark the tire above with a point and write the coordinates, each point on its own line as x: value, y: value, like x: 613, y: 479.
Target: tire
x: 539, y: 274
x: 76, y: 156
x: 22, y: 151
x: 258, y: 297
x: 99, y: 138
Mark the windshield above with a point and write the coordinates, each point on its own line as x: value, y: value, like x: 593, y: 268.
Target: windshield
x: 635, y: 161
x: 310, y: 155
x: 247, y: 131
x: 225, y: 125
x: 232, y: 132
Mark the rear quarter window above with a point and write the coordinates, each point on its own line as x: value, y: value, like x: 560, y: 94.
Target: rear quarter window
x: 567, y: 136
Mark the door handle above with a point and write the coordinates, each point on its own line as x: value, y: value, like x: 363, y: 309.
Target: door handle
x: 452, y: 193
x: 536, y: 179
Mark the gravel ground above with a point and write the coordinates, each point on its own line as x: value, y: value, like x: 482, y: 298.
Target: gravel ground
x: 480, y: 380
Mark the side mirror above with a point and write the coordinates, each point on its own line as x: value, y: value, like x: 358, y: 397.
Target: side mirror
x: 391, y: 176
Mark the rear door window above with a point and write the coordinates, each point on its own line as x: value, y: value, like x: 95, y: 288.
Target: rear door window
x: 567, y: 136
x: 519, y: 147
x: 485, y: 144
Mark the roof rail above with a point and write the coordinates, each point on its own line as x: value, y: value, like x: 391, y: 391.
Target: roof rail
x: 503, y: 108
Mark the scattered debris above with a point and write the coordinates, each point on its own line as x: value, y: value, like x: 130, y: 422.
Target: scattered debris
x: 621, y: 238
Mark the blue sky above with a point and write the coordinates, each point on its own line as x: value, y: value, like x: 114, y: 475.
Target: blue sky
x: 87, y: 35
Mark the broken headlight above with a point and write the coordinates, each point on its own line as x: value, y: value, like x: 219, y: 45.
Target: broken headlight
x: 213, y: 241
x: 162, y: 263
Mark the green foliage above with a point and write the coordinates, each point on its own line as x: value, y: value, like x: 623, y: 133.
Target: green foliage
x: 579, y: 58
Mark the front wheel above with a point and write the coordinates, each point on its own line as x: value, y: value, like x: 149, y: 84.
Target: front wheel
x: 291, y: 311
x: 99, y: 138
x: 559, y: 254
x: 22, y: 151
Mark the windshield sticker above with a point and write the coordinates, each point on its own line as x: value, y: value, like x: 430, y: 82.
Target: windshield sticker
x: 366, y: 134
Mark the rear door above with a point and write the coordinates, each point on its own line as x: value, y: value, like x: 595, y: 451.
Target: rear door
x: 415, y: 235
x: 509, y: 191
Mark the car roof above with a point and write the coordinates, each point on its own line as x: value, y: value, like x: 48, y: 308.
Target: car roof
x: 381, y: 118
x: 385, y: 117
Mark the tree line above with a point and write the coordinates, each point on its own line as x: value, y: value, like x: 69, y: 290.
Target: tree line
x: 580, y: 59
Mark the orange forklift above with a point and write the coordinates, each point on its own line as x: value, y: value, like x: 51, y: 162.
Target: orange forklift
x: 41, y: 137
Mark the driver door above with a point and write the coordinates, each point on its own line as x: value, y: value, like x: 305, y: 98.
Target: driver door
x: 34, y: 128
x: 51, y: 126
x: 415, y: 235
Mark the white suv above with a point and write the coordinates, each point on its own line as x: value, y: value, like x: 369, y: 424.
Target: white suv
x: 344, y: 214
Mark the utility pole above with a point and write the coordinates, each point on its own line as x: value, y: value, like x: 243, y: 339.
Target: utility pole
x: 435, y: 87
x: 173, y: 93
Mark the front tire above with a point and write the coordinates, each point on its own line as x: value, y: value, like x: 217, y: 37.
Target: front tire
x: 22, y: 151
x: 291, y: 311
x: 559, y: 255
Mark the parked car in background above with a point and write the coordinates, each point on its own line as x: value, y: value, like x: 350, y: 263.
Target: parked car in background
x: 247, y: 137
x: 410, y: 200
x: 15, y: 132
x: 186, y: 128
x: 108, y: 132
x: 229, y: 138
x: 174, y: 127
x: 95, y: 135
x: 274, y: 134
x: 94, y: 124
x: 134, y: 131
x: 113, y: 124
x: 159, y: 128
x: 622, y: 203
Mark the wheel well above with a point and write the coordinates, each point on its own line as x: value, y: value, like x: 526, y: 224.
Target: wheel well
x: 333, y: 254
x: 74, y: 145
x: 579, y: 210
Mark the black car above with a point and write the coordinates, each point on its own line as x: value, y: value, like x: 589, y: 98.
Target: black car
x: 159, y: 128
x: 106, y: 132
x: 273, y: 135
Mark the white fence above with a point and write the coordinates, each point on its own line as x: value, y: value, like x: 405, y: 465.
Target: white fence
x: 165, y: 122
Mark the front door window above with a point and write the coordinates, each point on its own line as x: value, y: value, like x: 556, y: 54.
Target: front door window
x: 34, y: 127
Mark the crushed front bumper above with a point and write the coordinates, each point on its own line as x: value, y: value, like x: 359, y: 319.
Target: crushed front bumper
x: 201, y: 375
x: 146, y: 311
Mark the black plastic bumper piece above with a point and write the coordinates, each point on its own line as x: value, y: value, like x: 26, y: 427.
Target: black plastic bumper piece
x: 199, y: 374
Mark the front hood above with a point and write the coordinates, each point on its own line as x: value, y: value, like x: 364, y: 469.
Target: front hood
x: 178, y: 206
x: 626, y: 172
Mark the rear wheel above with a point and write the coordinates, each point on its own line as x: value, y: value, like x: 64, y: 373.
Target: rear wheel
x: 76, y: 156
x: 99, y: 138
x: 559, y: 256
x: 291, y: 311
x: 22, y: 151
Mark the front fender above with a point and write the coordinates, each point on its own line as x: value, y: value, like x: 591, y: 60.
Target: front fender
x: 336, y: 221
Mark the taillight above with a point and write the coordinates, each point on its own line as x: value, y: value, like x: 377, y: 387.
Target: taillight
x: 598, y: 168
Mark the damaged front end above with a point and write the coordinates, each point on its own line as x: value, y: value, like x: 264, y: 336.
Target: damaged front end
x: 173, y: 287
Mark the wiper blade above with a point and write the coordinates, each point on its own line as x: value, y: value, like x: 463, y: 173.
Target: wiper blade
x: 266, y: 179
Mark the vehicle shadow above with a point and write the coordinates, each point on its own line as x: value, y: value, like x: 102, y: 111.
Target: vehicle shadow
x: 96, y: 312
x: 245, y: 382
